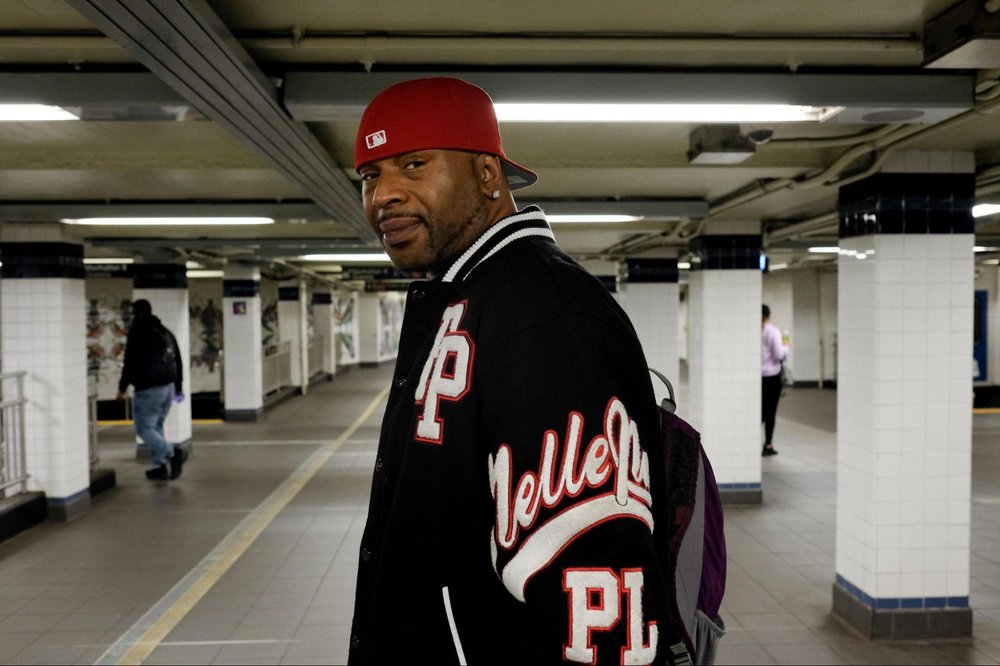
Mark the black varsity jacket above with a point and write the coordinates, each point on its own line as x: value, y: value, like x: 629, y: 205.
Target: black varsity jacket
x: 510, y: 518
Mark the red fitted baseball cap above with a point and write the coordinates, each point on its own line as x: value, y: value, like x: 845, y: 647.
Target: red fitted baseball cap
x: 435, y: 113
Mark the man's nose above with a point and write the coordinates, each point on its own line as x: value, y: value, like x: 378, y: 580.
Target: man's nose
x: 388, y: 190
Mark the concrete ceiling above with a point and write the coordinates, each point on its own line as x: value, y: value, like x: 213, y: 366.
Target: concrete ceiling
x: 203, y: 146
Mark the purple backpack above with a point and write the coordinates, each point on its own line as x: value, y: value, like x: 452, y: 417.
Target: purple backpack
x: 693, y: 545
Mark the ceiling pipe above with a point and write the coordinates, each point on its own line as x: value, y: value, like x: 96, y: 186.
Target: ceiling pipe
x: 808, y: 227
x: 834, y: 141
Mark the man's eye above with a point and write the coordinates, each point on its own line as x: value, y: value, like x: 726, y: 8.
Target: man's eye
x: 369, y: 175
x: 414, y: 164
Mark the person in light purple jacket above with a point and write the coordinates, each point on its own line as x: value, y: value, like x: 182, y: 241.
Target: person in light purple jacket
x: 772, y: 353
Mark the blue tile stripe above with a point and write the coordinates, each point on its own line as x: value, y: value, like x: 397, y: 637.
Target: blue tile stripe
x: 64, y: 501
x: 907, y: 603
x: 739, y: 486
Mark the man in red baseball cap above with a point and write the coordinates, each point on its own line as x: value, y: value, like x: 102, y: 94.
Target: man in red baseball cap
x: 521, y: 409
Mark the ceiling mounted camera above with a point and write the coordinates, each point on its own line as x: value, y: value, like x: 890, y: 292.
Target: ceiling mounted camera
x: 759, y: 137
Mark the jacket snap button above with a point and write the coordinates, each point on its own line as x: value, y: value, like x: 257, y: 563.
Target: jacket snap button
x: 419, y: 294
x: 378, y: 465
x: 400, y: 382
x: 355, y: 642
x: 365, y: 554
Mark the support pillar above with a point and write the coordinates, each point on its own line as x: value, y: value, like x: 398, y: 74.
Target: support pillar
x: 904, y: 412
x: 165, y: 287
x: 346, y: 307
x: 724, y: 359
x: 326, y: 330
x: 368, y: 329
x: 43, y: 320
x: 243, y: 393
x: 652, y: 302
x: 292, y: 329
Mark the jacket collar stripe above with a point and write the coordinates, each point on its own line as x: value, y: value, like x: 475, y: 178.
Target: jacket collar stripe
x: 531, y: 215
x: 523, y: 233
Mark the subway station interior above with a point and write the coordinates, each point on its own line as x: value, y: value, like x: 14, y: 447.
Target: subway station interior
x: 839, y: 162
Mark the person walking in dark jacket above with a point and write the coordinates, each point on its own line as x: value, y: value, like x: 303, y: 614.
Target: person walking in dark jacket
x: 153, y: 367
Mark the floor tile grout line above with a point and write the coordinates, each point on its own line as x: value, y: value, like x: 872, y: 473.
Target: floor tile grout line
x: 146, y: 634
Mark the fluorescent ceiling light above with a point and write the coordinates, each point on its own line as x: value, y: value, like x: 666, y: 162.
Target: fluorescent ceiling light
x: 982, y: 210
x: 33, y: 112
x: 205, y: 274
x: 832, y: 249
x: 97, y: 261
x: 585, y: 219
x: 684, y: 265
x: 662, y: 113
x: 777, y: 267
x: 345, y: 257
x: 168, y: 221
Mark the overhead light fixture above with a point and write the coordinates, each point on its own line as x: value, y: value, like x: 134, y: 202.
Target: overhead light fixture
x: 592, y: 219
x: 205, y: 274
x: 344, y: 258
x: 113, y: 261
x: 34, y: 112
x: 830, y: 249
x: 684, y: 265
x: 981, y: 248
x: 663, y: 113
x: 167, y: 221
x: 777, y: 267
x: 984, y: 210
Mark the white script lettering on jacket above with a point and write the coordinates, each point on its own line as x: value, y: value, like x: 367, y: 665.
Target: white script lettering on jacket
x: 612, y: 461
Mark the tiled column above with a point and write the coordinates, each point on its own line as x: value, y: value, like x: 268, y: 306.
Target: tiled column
x: 292, y: 329
x: 652, y: 301
x: 904, y: 412
x: 326, y: 331
x: 345, y: 314
x: 165, y: 287
x: 43, y: 332
x: 368, y: 329
x: 724, y: 360
x: 241, y: 349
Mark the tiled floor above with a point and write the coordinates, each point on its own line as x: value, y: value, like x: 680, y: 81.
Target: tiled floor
x: 69, y: 591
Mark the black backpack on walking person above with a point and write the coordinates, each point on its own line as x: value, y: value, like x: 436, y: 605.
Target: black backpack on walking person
x: 163, y: 356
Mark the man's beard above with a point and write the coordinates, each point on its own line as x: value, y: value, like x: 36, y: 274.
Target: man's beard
x: 444, y: 248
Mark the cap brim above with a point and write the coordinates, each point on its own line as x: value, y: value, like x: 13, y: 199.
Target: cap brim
x: 517, y: 175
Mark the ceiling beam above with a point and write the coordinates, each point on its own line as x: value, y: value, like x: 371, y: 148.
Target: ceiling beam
x: 321, y: 96
x: 187, y: 45
x: 49, y: 211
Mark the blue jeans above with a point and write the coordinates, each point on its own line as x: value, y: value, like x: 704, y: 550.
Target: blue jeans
x: 149, y: 409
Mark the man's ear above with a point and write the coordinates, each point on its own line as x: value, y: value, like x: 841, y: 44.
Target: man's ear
x: 489, y: 173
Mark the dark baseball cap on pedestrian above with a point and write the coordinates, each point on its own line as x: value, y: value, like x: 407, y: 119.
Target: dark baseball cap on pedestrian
x: 434, y: 113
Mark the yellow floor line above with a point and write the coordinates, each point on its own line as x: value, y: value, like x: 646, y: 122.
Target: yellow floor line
x: 139, y: 642
x: 986, y: 410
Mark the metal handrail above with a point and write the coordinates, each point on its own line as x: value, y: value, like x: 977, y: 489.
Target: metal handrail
x: 277, y: 368
x: 13, y: 466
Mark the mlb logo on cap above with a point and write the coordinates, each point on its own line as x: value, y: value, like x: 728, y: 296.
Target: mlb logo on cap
x: 375, y: 139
